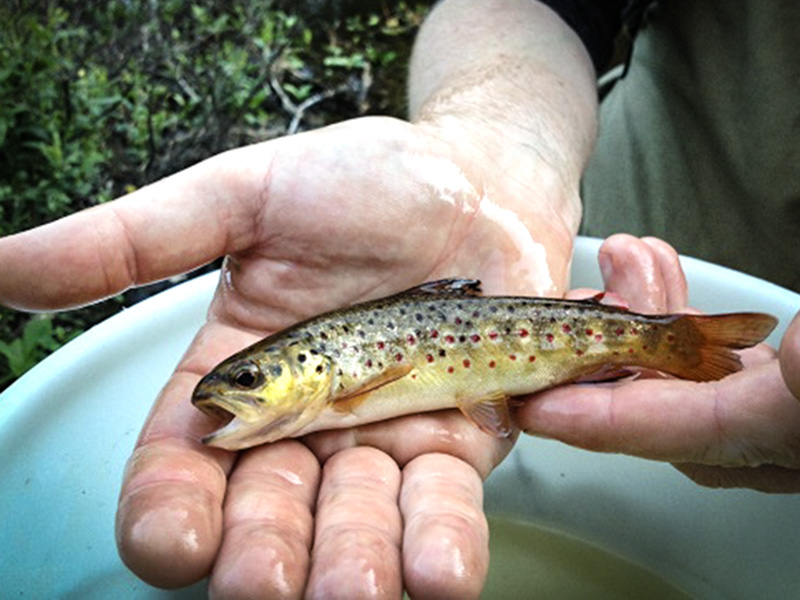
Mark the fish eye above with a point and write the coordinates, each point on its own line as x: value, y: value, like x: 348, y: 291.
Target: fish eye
x: 246, y: 375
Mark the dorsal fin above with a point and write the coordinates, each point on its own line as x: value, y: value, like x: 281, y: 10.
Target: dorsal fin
x: 448, y: 287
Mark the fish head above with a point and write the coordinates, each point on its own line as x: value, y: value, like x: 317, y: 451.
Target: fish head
x: 264, y: 396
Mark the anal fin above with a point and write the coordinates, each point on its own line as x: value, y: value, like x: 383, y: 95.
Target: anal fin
x: 489, y: 413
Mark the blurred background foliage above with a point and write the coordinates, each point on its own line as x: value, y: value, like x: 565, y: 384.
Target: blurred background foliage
x: 99, y: 98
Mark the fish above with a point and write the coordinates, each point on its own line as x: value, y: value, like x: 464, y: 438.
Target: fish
x: 443, y: 345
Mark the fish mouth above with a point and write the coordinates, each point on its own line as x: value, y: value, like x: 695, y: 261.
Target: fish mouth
x: 228, y: 412
x: 240, y: 427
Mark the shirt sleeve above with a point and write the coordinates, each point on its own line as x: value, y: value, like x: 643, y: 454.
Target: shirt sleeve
x: 597, y: 23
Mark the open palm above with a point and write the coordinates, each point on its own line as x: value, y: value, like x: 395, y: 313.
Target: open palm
x: 307, y: 224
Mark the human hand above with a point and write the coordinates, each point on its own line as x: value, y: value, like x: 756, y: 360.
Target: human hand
x: 307, y: 223
x: 742, y: 431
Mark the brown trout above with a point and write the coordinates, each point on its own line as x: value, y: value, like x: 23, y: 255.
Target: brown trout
x: 442, y: 345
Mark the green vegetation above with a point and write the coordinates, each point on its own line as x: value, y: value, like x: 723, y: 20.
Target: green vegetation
x: 100, y: 98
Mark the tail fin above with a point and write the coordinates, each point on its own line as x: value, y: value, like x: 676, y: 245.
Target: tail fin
x: 718, y: 336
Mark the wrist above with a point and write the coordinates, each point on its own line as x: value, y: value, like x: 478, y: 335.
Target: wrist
x: 517, y: 101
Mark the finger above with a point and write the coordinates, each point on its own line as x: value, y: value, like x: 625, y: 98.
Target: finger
x: 630, y: 269
x: 766, y: 478
x: 101, y: 251
x: 446, y: 539
x: 406, y: 438
x: 268, y: 524
x: 356, y: 550
x: 746, y: 419
x: 789, y: 356
x: 669, y: 268
x: 169, y: 518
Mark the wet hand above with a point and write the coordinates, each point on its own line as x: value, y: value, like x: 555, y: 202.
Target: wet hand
x: 307, y: 223
x: 742, y: 431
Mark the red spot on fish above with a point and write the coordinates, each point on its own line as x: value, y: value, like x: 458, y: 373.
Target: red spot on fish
x: 630, y: 350
x: 531, y: 358
x: 414, y: 376
x: 566, y: 328
x: 589, y: 332
x: 369, y: 363
x: 492, y: 364
x: 398, y: 357
x: 512, y: 356
x: 644, y: 347
x: 434, y: 334
x: 475, y: 338
x: 598, y: 338
x: 450, y: 369
x: 411, y: 339
x: 493, y: 335
x: 380, y: 345
x: 429, y: 358
x: 619, y: 331
x: 670, y: 338
x: 523, y: 333
x: 458, y: 321
x: 449, y: 339
x: 579, y: 352
x: 466, y: 363
x: 634, y: 331
x: 550, y: 338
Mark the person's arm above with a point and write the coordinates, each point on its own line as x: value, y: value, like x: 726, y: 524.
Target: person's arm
x: 511, y: 87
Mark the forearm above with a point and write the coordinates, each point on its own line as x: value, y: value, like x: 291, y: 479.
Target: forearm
x: 509, y: 81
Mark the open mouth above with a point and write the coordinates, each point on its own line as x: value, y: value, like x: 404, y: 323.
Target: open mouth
x: 218, y: 408
x: 216, y: 411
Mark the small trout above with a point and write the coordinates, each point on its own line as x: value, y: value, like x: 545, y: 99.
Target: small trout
x: 442, y: 345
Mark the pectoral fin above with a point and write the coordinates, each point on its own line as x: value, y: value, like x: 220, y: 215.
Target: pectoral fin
x: 489, y: 413
x: 349, y: 400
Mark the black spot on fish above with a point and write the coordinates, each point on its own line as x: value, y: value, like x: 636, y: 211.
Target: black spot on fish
x: 442, y: 353
x: 510, y: 308
x: 362, y: 334
x: 419, y: 317
x: 493, y: 309
x: 301, y: 358
x: 345, y: 328
x: 403, y: 311
x: 313, y: 352
x: 319, y: 369
x: 370, y: 321
x: 390, y: 325
x: 323, y: 335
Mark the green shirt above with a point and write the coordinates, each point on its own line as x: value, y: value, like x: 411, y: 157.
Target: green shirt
x: 700, y: 140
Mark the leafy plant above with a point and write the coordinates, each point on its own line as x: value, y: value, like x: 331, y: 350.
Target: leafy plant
x: 99, y: 98
x: 39, y: 338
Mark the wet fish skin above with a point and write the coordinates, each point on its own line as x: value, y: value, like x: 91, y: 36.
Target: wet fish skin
x: 443, y: 345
